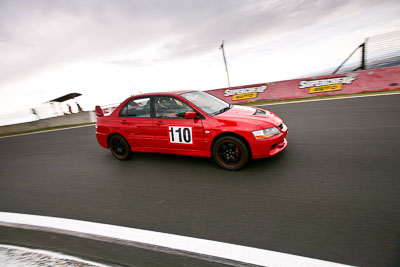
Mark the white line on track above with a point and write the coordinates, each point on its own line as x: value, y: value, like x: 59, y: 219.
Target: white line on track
x: 55, y: 130
x: 326, y: 99
x: 190, y: 245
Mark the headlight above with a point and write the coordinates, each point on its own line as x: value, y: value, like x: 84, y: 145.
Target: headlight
x: 266, y: 133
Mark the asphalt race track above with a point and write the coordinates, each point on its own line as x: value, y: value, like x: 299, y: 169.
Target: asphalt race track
x: 333, y: 194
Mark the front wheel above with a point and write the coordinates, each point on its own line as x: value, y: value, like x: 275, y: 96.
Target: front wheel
x: 230, y: 153
x: 119, y: 147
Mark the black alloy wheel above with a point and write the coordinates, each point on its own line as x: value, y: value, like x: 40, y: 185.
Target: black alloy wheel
x: 230, y: 153
x: 119, y: 147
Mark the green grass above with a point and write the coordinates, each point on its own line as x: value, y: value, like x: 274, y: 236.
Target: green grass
x: 264, y: 102
x: 47, y: 129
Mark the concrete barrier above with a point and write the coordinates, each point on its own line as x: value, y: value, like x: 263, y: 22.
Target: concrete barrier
x: 349, y: 83
x: 75, y: 118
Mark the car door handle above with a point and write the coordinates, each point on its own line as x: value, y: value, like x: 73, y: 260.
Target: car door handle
x: 124, y: 122
x: 159, y: 123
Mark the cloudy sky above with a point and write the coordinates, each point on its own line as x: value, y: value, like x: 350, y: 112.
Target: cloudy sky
x: 108, y: 50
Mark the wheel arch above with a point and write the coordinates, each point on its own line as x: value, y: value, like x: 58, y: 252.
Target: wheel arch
x: 112, y: 134
x: 231, y: 134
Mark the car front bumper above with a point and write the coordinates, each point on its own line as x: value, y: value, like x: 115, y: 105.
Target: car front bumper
x: 268, y: 147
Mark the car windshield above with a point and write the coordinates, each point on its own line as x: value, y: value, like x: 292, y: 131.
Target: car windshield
x: 208, y: 103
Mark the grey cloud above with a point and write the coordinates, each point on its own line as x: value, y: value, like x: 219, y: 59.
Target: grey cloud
x: 37, y: 35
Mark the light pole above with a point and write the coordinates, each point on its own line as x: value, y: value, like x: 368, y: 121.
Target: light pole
x: 226, y: 66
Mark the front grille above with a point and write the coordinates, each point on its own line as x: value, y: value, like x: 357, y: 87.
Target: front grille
x: 280, y: 144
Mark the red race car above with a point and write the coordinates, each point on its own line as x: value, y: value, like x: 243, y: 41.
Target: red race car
x: 191, y: 123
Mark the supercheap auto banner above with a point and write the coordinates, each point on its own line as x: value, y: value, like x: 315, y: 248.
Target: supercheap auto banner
x: 353, y: 82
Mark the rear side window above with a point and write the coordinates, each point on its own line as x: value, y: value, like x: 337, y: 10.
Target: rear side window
x: 136, y: 108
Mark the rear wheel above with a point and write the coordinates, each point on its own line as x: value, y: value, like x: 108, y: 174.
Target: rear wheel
x: 119, y: 147
x: 230, y: 153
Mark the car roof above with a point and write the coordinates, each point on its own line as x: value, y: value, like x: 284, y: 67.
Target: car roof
x: 174, y: 93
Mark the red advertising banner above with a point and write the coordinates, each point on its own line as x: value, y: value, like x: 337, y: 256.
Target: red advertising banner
x: 353, y: 82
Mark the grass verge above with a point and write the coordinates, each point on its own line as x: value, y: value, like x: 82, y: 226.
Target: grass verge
x: 47, y: 129
x: 265, y: 102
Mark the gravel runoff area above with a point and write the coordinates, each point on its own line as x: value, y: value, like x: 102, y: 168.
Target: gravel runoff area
x: 11, y: 256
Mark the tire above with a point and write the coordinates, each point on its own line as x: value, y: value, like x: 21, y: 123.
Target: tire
x: 230, y: 153
x: 119, y: 147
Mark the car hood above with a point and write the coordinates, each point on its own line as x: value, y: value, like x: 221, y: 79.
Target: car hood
x: 247, y: 115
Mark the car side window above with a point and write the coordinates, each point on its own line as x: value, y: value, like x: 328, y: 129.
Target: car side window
x: 136, y: 108
x: 170, y: 107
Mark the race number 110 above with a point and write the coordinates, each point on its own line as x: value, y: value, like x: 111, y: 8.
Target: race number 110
x: 180, y: 135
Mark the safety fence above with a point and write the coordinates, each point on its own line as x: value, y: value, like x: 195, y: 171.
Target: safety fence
x: 382, y: 50
x: 377, y: 51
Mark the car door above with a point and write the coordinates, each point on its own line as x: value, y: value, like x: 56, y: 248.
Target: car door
x: 136, y: 123
x: 171, y: 130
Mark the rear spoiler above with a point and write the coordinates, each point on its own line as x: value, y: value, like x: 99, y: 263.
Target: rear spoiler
x: 99, y: 111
